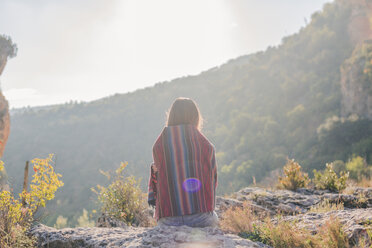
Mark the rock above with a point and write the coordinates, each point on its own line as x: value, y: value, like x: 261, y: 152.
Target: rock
x: 106, y: 221
x: 293, y: 202
x: 355, y: 85
x: 4, y: 112
x: 356, y: 222
x: 159, y: 236
x: 359, y: 24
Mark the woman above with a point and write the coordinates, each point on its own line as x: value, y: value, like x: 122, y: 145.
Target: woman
x: 183, y: 177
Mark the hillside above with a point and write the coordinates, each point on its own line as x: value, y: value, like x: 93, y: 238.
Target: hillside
x: 258, y: 108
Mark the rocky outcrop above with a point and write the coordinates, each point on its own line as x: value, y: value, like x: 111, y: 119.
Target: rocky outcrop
x: 359, y: 24
x: 356, y: 219
x: 355, y: 222
x: 7, y: 50
x: 290, y: 202
x: 4, y: 115
x: 356, y: 85
x: 159, y: 236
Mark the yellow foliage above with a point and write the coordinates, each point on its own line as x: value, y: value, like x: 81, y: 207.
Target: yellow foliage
x: 44, y: 184
x: 16, y: 218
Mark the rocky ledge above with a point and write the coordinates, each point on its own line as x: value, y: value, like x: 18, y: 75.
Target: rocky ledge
x: 293, y: 202
x: 159, y: 236
x: 356, y: 219
x: 355, y: 222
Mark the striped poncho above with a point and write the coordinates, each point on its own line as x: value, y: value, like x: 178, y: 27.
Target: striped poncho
x: 186, y: 179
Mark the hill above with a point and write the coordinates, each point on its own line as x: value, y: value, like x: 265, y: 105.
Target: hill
x: 259, y: 109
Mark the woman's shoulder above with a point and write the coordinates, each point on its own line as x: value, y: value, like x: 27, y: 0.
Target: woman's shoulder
x: 158, y: 141
x: 202, y: 138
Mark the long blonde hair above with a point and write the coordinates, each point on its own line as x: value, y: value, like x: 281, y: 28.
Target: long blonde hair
x: 184, y: 111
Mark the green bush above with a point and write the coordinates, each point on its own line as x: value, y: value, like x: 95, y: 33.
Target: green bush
x: 294, y: 178
x: 123, y: 199
x: 357, y: 167
x: 328, y: 179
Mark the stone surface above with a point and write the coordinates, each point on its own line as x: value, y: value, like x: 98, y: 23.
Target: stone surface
x: 159, y: 236
x: 289, y: 202
x: 355, y: 221
x: 106, y: 221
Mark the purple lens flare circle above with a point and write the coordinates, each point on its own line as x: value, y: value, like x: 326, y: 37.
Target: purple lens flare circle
x: 191, y: 185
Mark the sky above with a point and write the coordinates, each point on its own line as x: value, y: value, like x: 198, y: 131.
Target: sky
x: 82, y: 50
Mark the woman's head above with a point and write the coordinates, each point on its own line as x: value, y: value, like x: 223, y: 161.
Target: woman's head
x: 184, y: 111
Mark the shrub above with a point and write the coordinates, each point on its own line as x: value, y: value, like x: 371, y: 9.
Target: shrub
x: 123, y: 199
x: 84, y: 220
x: 357, y: 167
x: 61, y: 222
x: 294, y: 178
x: 16, y: 218
x: 328, y: 179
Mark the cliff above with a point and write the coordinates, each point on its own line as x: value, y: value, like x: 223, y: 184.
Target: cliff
x: 4, y: 113
x: 356, y: 72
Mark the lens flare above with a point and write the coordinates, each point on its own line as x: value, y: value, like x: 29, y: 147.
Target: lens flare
x: 191, y: 185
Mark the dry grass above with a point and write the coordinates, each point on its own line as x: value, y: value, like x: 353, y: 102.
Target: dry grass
x: 238, y: 219
x: 326, y: 206
x: 332, y: 234
x: 286, y: 234
x: 283, y: 234
x: 364, y: 182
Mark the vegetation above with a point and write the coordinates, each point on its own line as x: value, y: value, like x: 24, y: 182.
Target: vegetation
x: 287, y: 234
x: 328, y: 179
x: 294, y: 178
x: 280, y: 233
x: 259, y: 109
x: 326, y: 206
x: 358, y: 168
x: 84, y: 220
x: 332, y: 235
x: 123, y: 199
x: 16, y: 217
x: 238, y: 219
x: 61, y: 222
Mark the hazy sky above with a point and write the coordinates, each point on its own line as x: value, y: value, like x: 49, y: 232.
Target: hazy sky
x: 87, y: 49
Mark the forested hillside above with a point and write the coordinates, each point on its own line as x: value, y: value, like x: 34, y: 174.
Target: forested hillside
x: 258, y: 110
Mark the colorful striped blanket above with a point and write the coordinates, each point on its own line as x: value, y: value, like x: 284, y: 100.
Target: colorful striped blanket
x: 186, y: 178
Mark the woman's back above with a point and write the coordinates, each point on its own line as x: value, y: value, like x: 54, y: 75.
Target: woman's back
x: 187, y: 173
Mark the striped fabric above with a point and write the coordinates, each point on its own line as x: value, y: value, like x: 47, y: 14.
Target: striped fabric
x: 187, y: 173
